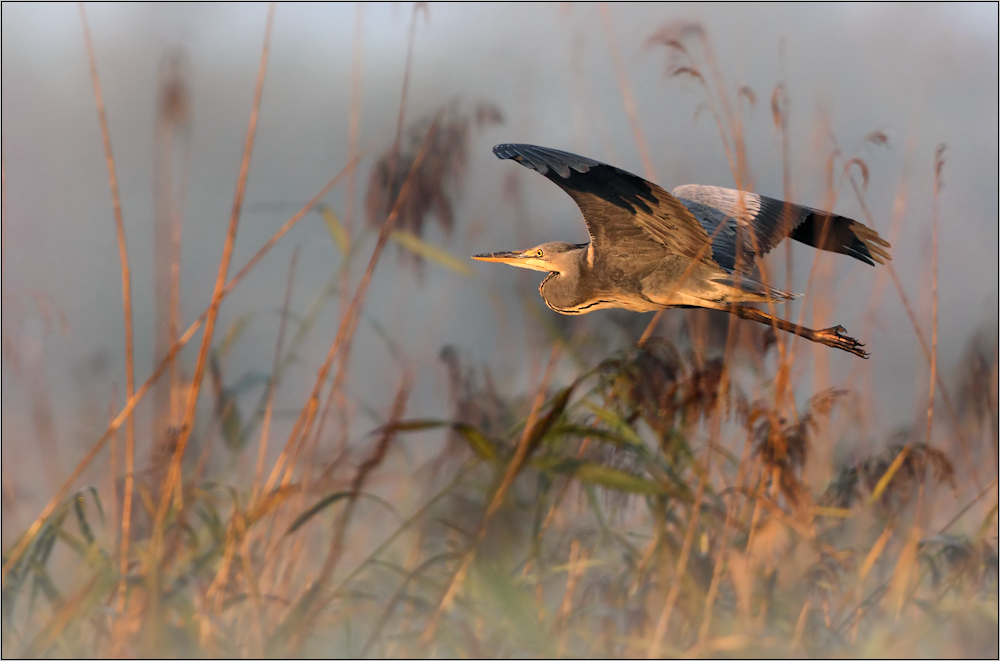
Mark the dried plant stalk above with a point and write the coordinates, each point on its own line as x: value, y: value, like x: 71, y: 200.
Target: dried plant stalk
x: 127, y: 308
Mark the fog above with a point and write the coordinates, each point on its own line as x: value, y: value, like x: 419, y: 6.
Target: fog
x: 923, y: 74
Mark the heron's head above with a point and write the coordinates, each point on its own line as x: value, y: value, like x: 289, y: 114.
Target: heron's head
x: 554, y: 257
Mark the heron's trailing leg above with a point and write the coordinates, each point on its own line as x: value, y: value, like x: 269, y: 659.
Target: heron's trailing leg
x: 832, y: 337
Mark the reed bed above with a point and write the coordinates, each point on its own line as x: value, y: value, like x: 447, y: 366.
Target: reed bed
x: 655, y: 492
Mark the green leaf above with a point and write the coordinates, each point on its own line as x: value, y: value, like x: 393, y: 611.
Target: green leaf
x: 233, y: 333
x: 836, y: 512
x: 97, y: 501
x: 595, y: 433
x: 614, y: 421
x: 478, y: 442
x: 79, y: 501
x: 600, y: 475
x: 323, y: 503
x: 232, y: 422
x: 337, y: 230
x: 326, y: 501
x: 412, y: 425
x: 543, y: 425
x: 541, y: 510
x: 987, y: 523
x: 47, y: 537
x: 72, y: 541
x: 36, y: 555
x: 42, y: 581
x: 429, y: 251
x: 618, y: 480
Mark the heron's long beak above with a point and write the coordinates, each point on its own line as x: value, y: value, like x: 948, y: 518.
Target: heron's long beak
x: 507, y: 257
x: 524, y: 259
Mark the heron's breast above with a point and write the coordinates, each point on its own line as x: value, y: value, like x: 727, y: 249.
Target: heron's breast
x: 587, y: 294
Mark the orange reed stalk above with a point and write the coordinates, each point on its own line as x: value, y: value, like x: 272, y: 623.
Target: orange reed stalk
x: 938, y: 165
x: 949, y: 405
x: 172, y: 485
x: 341, y: 373
x: 348, y: 323
x: 132, y: 402
x: 127, y: 308
x: 173, y: 476
x: 268, y: 408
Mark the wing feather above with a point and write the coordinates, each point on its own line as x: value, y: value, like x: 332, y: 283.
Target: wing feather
x: 627, y: 216
x: 754, y: 224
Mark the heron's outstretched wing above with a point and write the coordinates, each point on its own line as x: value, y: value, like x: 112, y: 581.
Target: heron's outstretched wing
x: 626, y: 215
x: 771, y: 221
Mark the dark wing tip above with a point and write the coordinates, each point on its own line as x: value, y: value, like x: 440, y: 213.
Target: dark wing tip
x: 861, y: 254
x: 543, y: 159
x: 505, y: 150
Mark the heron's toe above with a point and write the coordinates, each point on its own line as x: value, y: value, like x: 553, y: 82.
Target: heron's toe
x: 836, y: 337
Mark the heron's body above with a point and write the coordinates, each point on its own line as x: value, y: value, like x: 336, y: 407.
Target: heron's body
x: 584, y: 288
x: 651, y: 250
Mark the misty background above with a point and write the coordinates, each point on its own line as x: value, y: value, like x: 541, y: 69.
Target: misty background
x: 923, y: 74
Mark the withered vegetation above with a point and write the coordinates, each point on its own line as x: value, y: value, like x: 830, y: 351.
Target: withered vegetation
x: 437, y: 183
x: 694, y: 496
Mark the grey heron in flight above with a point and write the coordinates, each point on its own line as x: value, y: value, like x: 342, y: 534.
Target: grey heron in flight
x: 651, y: 250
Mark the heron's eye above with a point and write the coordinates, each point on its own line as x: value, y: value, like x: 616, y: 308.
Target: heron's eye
x: 538, y: 253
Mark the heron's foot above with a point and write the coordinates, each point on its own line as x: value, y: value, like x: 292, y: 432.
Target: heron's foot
x: 836, y: 337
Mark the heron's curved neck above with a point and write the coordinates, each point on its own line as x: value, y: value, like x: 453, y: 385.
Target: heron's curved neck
x: 566, y: 291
